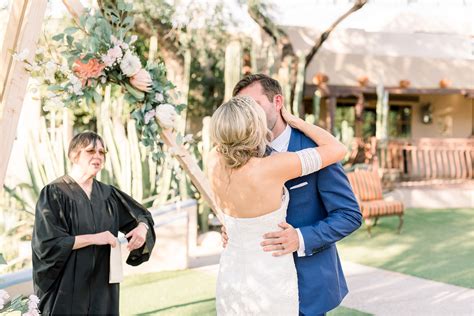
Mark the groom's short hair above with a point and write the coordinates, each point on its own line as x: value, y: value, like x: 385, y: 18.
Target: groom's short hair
x: 270, y: 86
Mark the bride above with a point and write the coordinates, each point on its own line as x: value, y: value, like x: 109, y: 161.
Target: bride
x: 248, y: 186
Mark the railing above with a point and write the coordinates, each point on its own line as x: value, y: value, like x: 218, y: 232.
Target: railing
x: 428, y: 158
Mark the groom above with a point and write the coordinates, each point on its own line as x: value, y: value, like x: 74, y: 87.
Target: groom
x: 322, y: 209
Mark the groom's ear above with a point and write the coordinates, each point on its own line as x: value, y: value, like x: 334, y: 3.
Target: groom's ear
x: 278, y: 101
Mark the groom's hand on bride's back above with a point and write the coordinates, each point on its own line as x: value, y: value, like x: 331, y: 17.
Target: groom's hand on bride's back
x: 224, y: 236
x: 281, y: 242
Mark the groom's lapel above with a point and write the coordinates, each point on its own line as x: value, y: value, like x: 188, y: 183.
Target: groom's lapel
x: 295, y: 140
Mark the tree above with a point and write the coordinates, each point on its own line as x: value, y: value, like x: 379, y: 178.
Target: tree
x: 258, y: 10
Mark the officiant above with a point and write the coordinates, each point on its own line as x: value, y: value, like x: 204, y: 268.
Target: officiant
x: 77, y: 221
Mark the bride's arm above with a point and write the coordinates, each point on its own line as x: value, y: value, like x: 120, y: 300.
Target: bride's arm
x: 329, y: 148
x: 290, y: 165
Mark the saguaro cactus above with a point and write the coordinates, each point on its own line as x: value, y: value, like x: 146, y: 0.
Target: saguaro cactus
x: 233, y: 67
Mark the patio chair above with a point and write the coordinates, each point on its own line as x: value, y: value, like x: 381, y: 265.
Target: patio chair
x: 367, y: 188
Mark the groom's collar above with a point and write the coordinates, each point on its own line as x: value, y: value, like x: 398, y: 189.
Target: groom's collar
x: 280, y: 143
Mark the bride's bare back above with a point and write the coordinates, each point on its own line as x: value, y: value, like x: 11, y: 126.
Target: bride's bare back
x: 249, y: 191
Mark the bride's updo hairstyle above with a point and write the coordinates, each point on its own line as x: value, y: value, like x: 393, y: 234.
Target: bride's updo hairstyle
x: 239, y: 130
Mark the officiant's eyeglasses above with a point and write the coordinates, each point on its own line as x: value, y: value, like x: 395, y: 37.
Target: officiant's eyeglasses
x: 92, y: 151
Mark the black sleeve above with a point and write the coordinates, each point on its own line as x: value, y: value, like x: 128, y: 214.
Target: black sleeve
x: 51, y: 242
x: 130, y: 214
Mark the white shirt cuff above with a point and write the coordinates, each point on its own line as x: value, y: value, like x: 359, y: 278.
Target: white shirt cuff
x: 301, y: 249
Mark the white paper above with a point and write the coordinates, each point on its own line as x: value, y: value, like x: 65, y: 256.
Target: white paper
x: 116, y: 269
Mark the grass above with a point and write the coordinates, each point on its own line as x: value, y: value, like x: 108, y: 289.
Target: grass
x: 434, y: 244
x: 183, y: 293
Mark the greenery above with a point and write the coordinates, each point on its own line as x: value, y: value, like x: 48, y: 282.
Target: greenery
x: 435, y: 244
x: 97, y: 52
x: 183, y: 293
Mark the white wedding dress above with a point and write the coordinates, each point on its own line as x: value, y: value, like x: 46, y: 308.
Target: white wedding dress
x: 251, y: 281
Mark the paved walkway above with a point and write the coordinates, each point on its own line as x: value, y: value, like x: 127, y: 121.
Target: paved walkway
x: 382, y: 292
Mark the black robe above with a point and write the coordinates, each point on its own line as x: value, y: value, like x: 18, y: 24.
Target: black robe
x: 77, y: 281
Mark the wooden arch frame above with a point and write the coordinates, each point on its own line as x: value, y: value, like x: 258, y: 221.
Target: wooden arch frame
x: 22, y: 32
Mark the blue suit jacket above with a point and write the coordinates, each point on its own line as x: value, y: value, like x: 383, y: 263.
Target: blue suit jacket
x: 325, y: 210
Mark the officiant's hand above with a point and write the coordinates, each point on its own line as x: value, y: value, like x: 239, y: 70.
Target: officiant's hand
x: 138, y: 237
x: 281, y: 242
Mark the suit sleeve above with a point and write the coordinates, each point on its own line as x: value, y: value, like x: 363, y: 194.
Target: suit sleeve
x: 344, y: 215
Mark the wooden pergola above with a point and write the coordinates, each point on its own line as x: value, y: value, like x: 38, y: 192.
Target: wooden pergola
x: 22, y: 33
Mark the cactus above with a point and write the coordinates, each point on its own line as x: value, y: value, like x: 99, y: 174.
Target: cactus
x: 298, y: 109
x: 233, y: 67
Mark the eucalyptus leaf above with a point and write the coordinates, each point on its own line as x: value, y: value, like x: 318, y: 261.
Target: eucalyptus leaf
x: 58, y: 37
x: 71, y: 30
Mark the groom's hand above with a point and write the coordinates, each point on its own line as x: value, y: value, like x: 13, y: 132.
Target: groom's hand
x: 281, y: 242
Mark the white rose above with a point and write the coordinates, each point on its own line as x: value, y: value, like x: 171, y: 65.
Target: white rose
x: 34, y: 298
x: 159, y: 97
x: 166, y: 115
x: 130, y: 64
x: 4, y: 295
x: 133, y: 39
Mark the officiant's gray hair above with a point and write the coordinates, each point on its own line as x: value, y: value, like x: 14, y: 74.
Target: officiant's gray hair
x: 81, y: 141
x: 239, y: 130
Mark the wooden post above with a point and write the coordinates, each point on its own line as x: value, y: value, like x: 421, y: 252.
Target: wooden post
x: 12, y: 35
x: 192, y: 169
x: 331, y: 113
x: 359, y: 111
x: 16, y: 75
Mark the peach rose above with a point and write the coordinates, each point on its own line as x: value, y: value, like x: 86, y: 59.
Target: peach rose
x: 141, y: 80
x: 92, y: 69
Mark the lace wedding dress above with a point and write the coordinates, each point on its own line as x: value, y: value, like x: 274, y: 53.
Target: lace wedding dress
x: 251, y: 281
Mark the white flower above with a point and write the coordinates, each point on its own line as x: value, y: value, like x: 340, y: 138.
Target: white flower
x: 103, y: 80
x: 64, y: 68
x: 34, y: 298
x: 188, y: 138
x: 133, y: 39
x: 166, y: 115
x: 53, y: 104
x: 3, y: 297
x: 76, y: 84
x: 32, y: 305
x: 22, y: 55
x: 124, y: 45
x: 130, y: 64
x: 31, y: 313
x: 39, y: 50
x: 50, y: 70
x: 159, y: 97
x: 112, y: 55
x: 149, y: 115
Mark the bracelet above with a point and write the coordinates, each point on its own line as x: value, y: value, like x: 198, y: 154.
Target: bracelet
x: 144, y: 224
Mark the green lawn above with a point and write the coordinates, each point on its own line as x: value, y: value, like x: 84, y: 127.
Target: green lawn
x: 182, y: 293
x: 434, y: 244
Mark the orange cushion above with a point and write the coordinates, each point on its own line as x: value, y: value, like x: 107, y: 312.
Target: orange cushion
x: 381, y: 208
x: 366, y: 185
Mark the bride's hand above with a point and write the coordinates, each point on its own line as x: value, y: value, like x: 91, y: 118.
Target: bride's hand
x: 289, y: 118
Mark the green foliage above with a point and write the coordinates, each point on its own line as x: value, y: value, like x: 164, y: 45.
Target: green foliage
x: 98, y: 52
